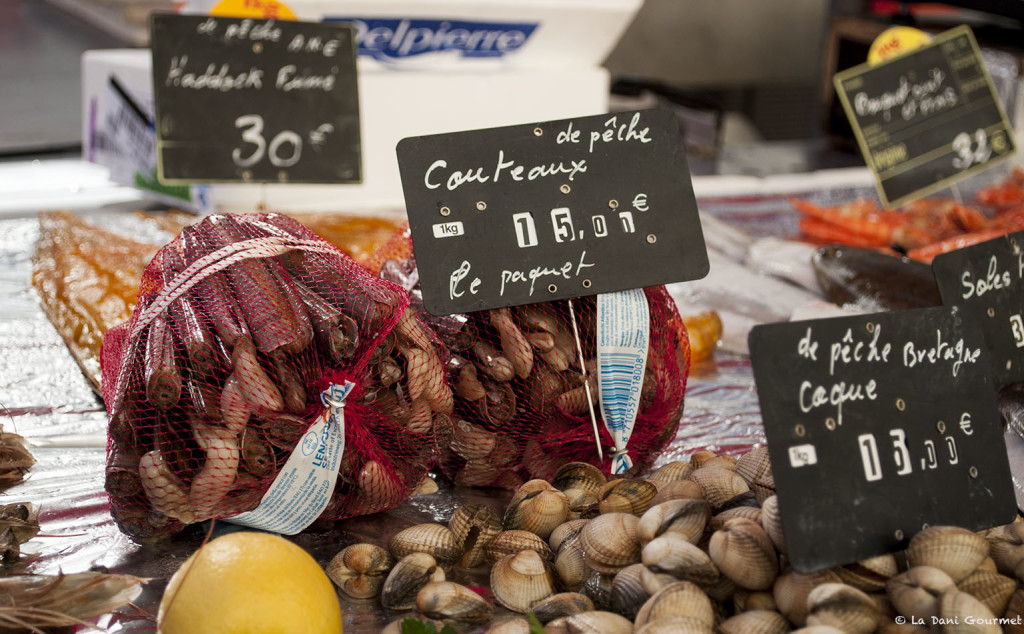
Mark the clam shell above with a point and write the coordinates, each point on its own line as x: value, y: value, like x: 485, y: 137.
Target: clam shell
x: 751, y: 513
x: 610, y: 542
x: 676, y: 625
x: 843, y: 607
x: 472, y: 442
x: 474, y: 525
x: 755, y: 622
x: 991, y: 588
x: 571, y: 565
x: 599, y: 588
x: 677, y: 470
x: 744, y: 553
x: 593, y: 622
x: 673, y: 555
x: 579, y: 475
x: 626, y: 496
x: 723, y: 461
x: 521, y: 580
x: 406, y: 578
x: 791, y: 589
x: 1006, y: 544
x: 721, y: 590
x: 477, y: 473
x: 700, y: 457
x: 447, y: 600
x: 511, y: 542
x: 628, y: 593
x: 915, y: 593
x: 1015, y: 610
x: 516, y: 625
x: 954, y: 609
x: 771, y: 522
x: 568, y: 530
x: 954, y: 550
x: 676, y: 490
x: 437, y: 540
x: 582, y: 504
x: 537, y: 511
x: 719, y: 485
x: 561, y: 605
x: 653, y: 582
x: 679, y: 599
x: 359, y: 570
x: 686, y: 518
x: 747, y: 601
x: 869, y: 575
x: 754, y: 465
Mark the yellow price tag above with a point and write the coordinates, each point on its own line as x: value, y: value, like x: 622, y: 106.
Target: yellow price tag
x: 263, y: 9
x: 894, y: 42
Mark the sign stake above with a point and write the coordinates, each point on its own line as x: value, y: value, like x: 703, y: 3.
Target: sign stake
x: 586, y: 381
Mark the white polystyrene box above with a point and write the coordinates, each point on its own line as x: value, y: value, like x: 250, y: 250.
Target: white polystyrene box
x: 468, y: 34
x: 393, y: 105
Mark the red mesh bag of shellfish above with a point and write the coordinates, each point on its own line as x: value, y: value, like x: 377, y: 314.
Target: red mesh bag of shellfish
x: 266, y: 378
x: 521, y: 405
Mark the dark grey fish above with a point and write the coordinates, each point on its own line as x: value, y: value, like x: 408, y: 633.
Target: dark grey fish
x: 874, y: 281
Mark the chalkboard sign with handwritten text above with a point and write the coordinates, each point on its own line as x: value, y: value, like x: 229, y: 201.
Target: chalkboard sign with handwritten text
x: 552, y: 210
x: 255, y: 100
x: 987, y: 281
x: 878, y: 426
x: 926, y: 119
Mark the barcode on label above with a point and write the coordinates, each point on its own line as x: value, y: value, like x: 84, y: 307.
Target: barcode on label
x: 621, y: 379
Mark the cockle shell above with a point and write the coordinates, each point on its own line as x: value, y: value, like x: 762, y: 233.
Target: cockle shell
x: 756, y: 468
x: 991, y: 588
x: 579, y: 475
x: 472, y: 442
x: 676, y: 490
x: 686, y: 518
x: 673, y: 555
x: 599, y: 588
x: 954, y: 550
x: 582, y: 504
x: 1006, y: 544
x: 719, y: 485
x: 843, y: 607
x: 1015, y: 609
x: 679, y: 599
x: 653, y: 582
x: 915, y: 593
x: 521, y: 580
x: 560, y: 605
x: 511, y: 542
x: 954, y: 609
x: 447, y: 600
x: 610, y: 542
x: 744, y: 553
x: 771, y: 522
x: 628, y: 593
x: 700, y: 457
x: 570, y: 561
x: 568, y: 530
x: 534, y: 509
x: 755, y: 622
x: 626, y: 496
x: 360, y: 569
x: 791, y: 589
x: 515, y: 625
x: 723, y: 461
x: 406, y: 578
x: 675, y: 625
x: 869, y: 575
x: 436, y: 540
x: 748, y: 601
x: 474, y: 525
x: 678, y: 470
x: 751, y: 513
x: 593, y: 622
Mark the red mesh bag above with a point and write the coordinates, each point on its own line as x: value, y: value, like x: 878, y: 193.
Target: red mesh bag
x: 242, y: 322
x: 520, y: 404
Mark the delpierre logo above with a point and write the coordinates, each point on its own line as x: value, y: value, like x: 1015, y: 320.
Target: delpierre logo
x: 389, y: 39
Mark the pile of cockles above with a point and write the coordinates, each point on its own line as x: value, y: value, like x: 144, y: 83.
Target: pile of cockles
x: 696, y: 547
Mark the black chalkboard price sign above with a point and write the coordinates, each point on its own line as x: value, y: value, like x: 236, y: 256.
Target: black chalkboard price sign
x: 553, y: 210
x: 987, y: 281
x: 926, y: 119
x: 878, y: 426
x: 255, y: 100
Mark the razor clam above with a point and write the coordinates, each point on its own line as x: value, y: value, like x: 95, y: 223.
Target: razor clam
x: 359, y: 570
x: 406, y: 578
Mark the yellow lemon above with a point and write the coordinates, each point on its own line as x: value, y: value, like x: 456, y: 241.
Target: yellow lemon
x: 250, y: 583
